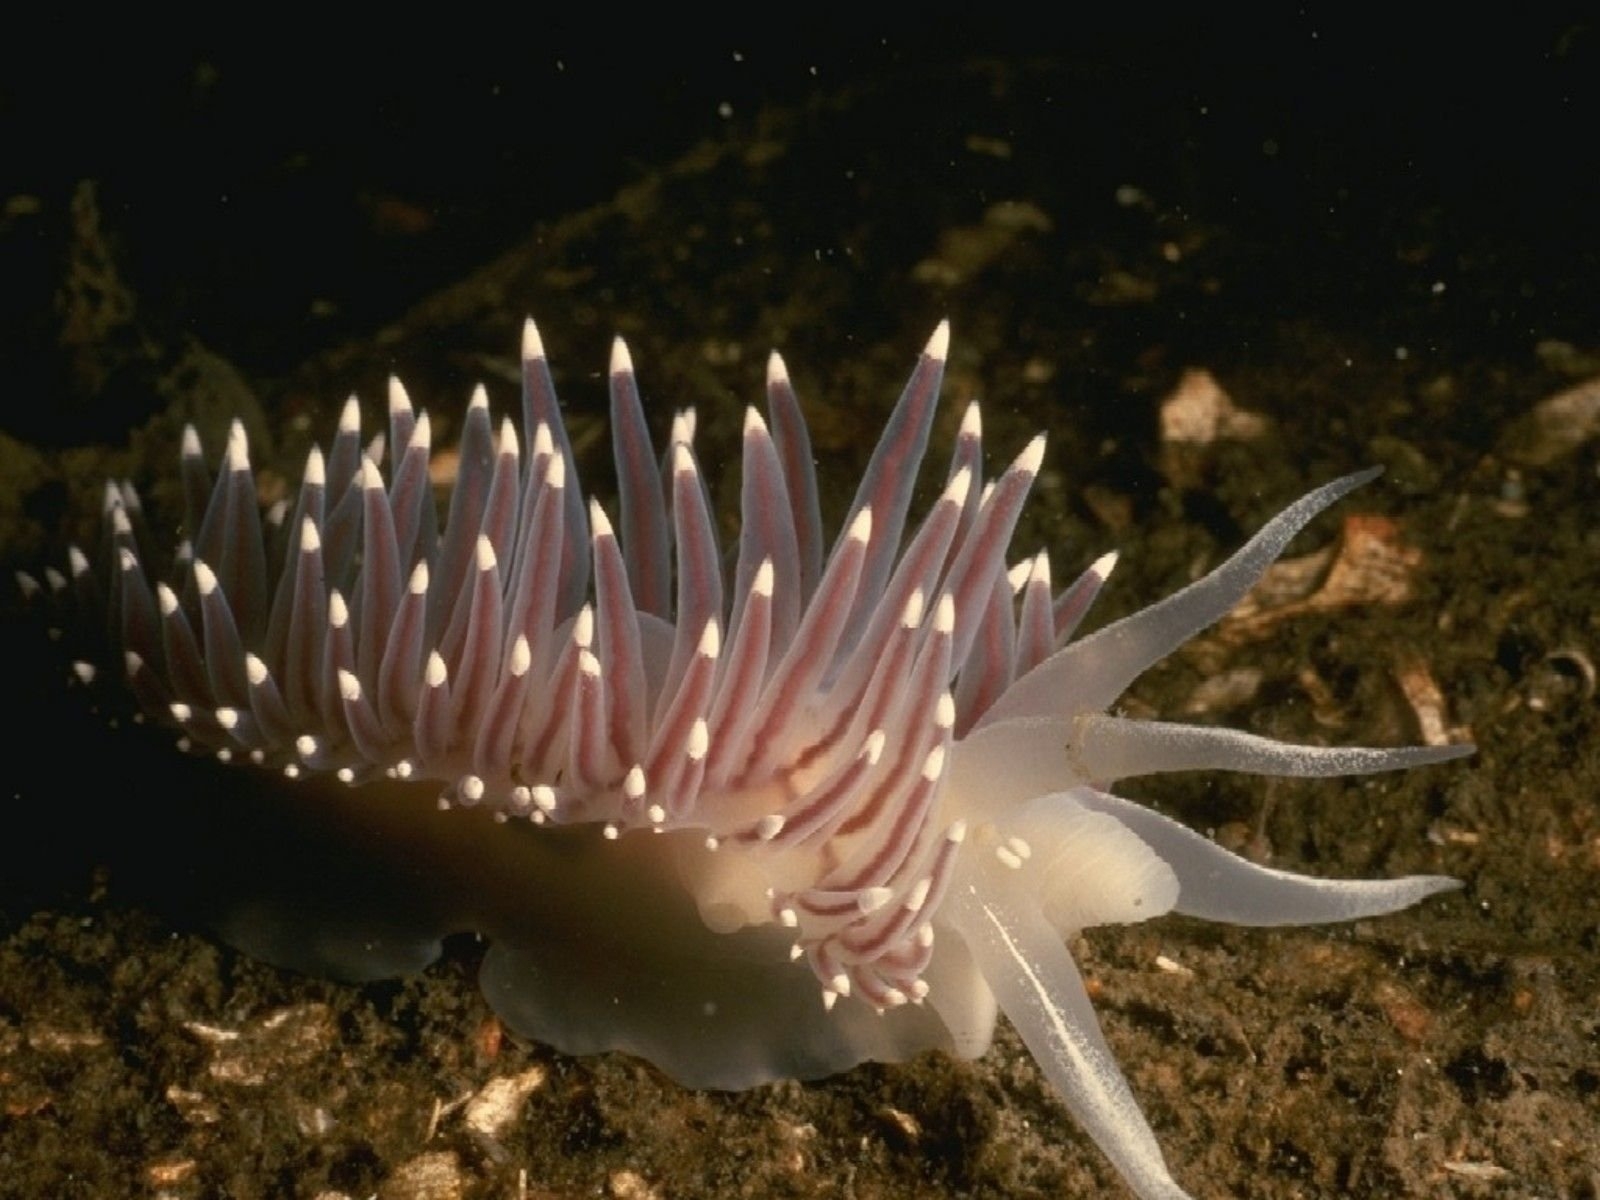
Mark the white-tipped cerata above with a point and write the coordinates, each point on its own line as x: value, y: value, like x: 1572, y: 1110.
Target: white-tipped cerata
x: 778, y: 735
x: 350, y: 416
x: 532, y: 343
x: 621, y: 360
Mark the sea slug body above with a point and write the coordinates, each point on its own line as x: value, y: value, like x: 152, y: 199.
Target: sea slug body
x: 840, y: 803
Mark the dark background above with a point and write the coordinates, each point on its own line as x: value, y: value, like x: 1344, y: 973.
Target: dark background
x: 279, y: 194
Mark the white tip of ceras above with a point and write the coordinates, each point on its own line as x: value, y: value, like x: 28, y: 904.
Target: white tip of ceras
x: 1040, y: 573
x: 621, y: 360
x: 166, y: 600
x: 599, y: 523
x: 338, y: 610
x: 633, y: 783
x: 508, y: 445
x: 422, y: 434
x: 555, y: 472
x: 125, y: 559
x: 1031, y: 457
x: 754, y: 426
x: 371, y: 477
x: 543, y: 443
x: 316, y: 472
x: 204, y: 578
x: 710, y: 640
x: 918, y: 895
x: 238, y: 453
x: 399, y: 400
x: 1035, y: 570
x: 959, y: 487
x: 350, y: 416
x: 870, y: 900
x: 872, y: 748
x: 944, y: 614
x: 310, y: 539
x: 532, y: 343
x: 699, y: 740
x: 861, y: 527
x: 762, y: 584
x: 480, y: 398
x: 938, y: 347
x: 436, y: 673
x: 911, y: 615
x: 971, y: 422
x: 484, y: 553
x: 255, y: 670
x: 417, y: 585
x: 777, y: 371
x: 1104, y: 565
x: 682, y: 460
x: 944, y: 712
x: 78, y: 562
x: 190, y: 447
x: 349, y: 686
x: 769, y: 826
x: 583, y: 627
x: 521, y: 656
x: 679, y: 434
x: 518, y: 801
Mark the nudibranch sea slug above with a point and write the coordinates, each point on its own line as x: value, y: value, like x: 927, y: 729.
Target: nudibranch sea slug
x: 839, y: 803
